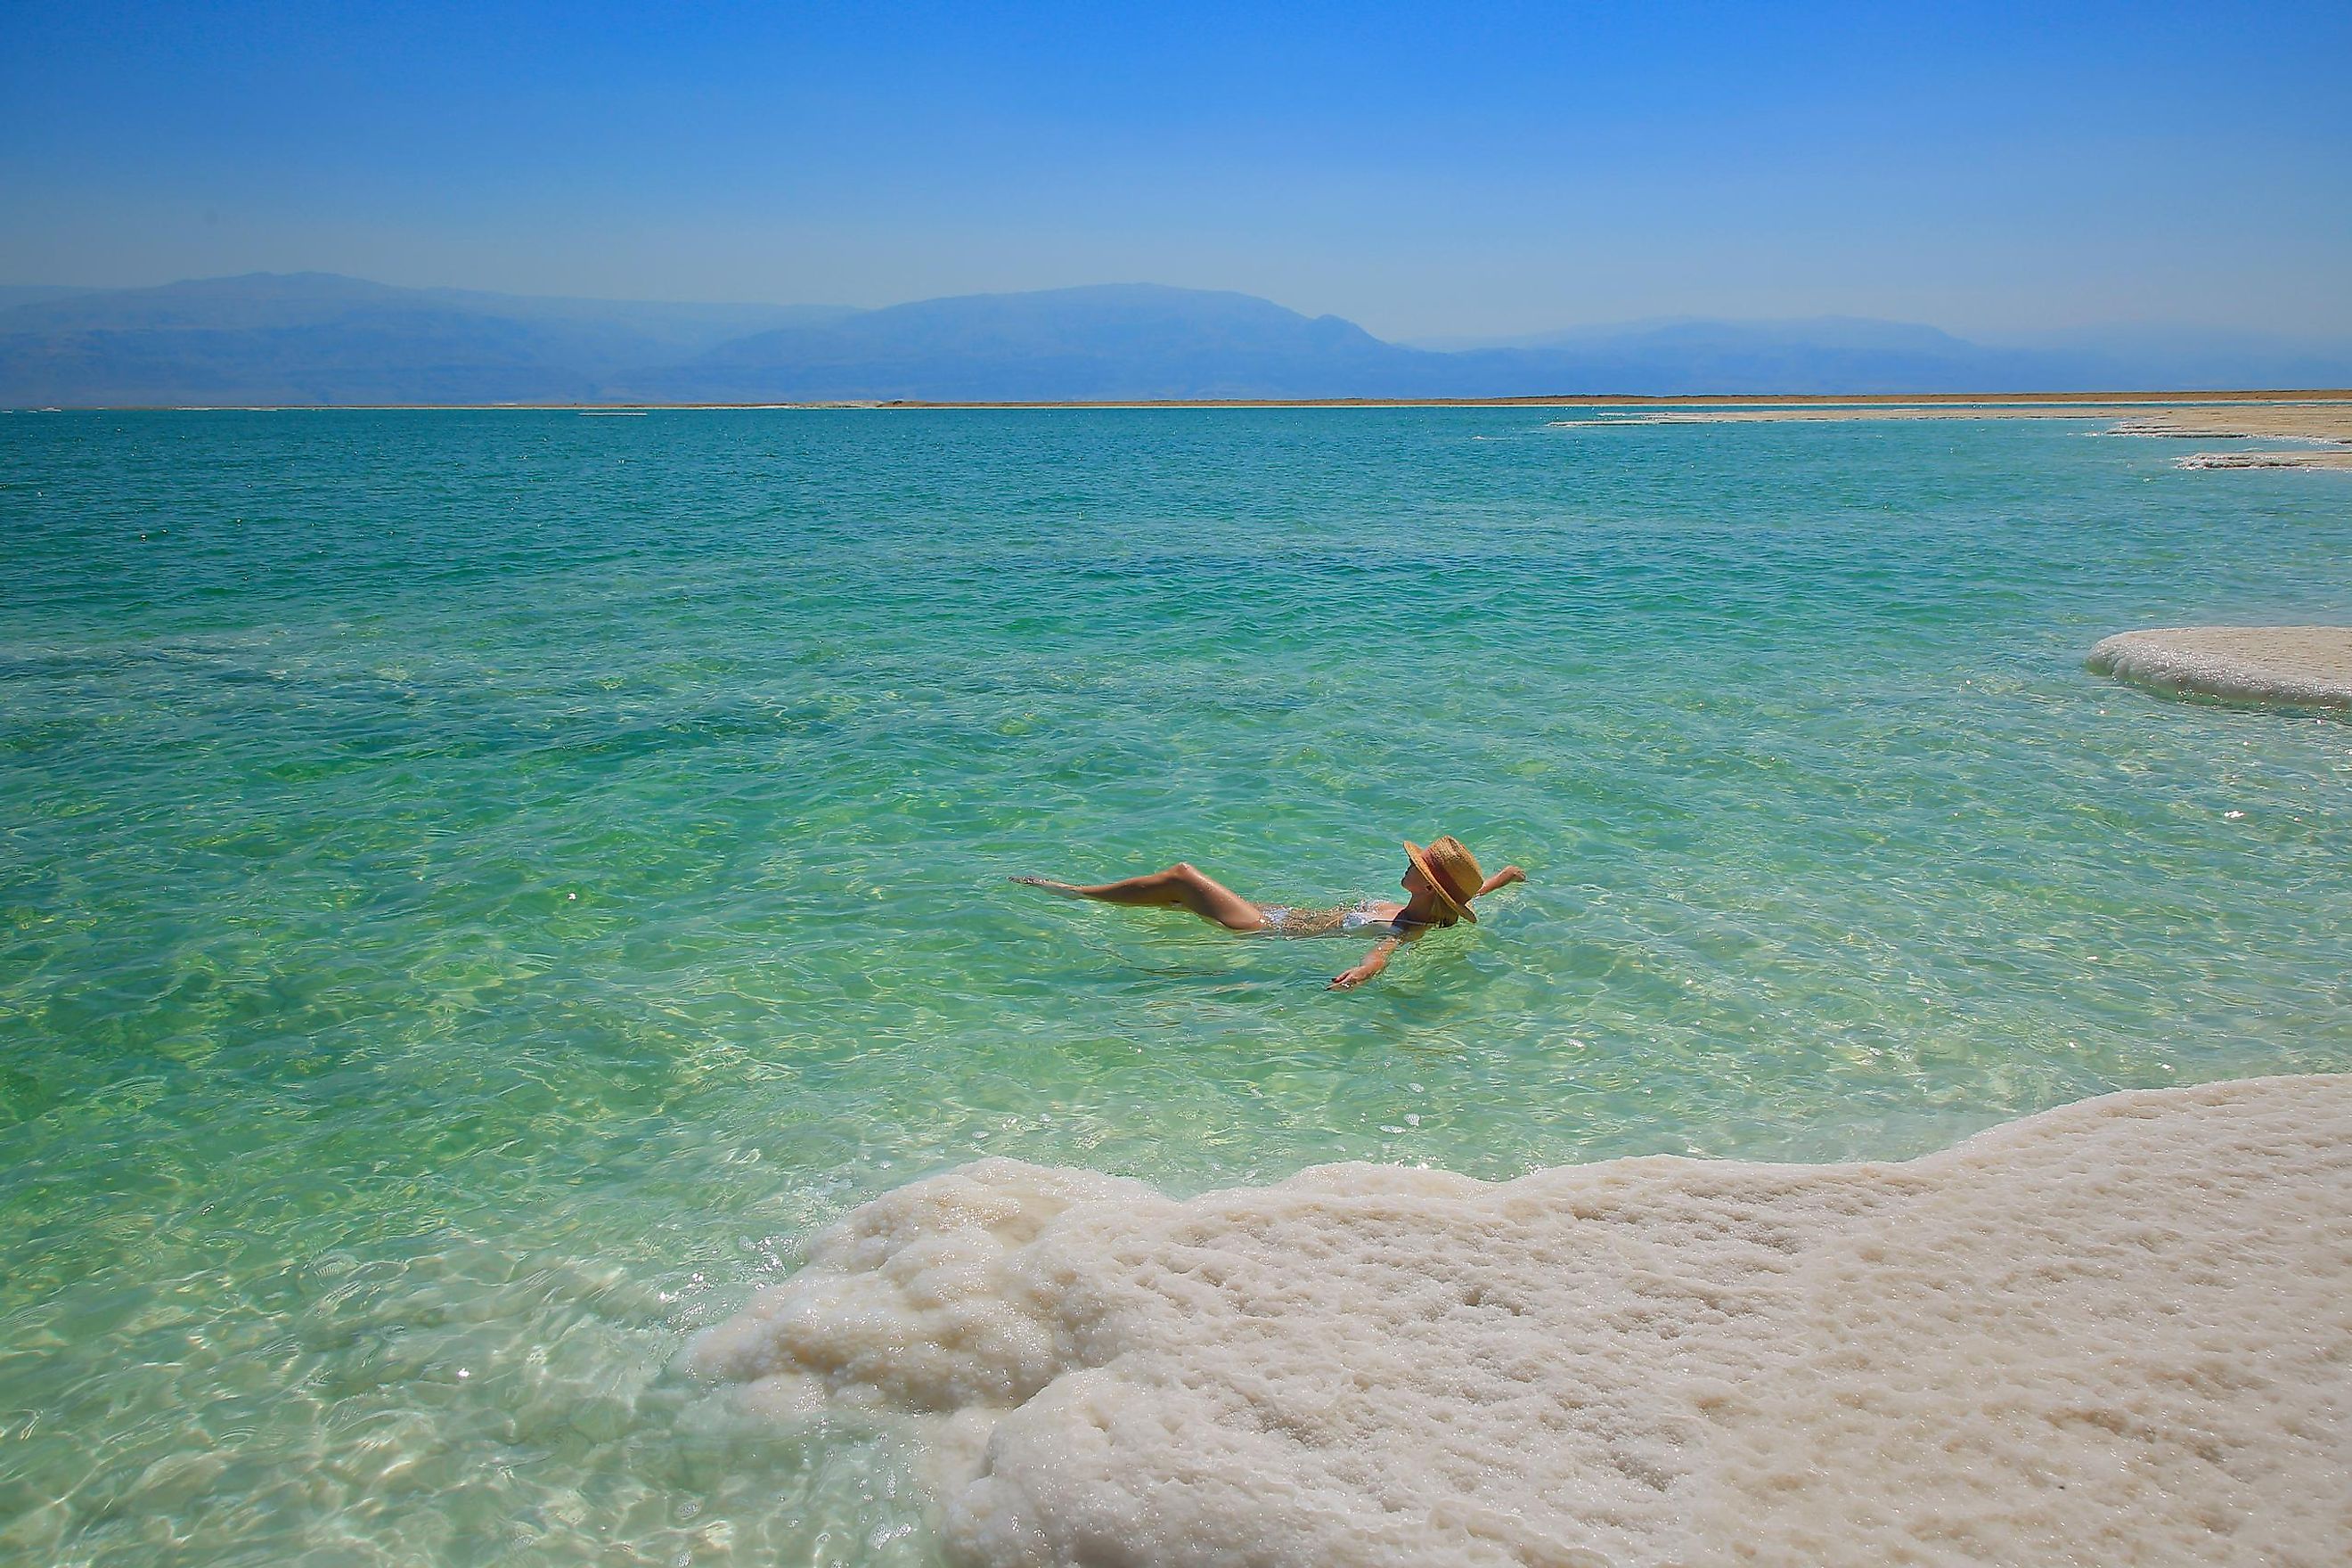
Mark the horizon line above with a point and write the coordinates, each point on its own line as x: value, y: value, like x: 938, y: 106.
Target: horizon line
x: 1533, y: 400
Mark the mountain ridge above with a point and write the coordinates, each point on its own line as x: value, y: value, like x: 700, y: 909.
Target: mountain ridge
x: 323, y: 339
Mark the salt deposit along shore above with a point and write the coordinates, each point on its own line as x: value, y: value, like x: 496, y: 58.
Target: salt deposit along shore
x: 2308, y: 667
x: 2326, y: 422
x: 2115, y: 1332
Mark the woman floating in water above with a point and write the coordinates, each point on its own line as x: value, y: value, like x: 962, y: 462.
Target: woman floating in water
x: 1442, y: 881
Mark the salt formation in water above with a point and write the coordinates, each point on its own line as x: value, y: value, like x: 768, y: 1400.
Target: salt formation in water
x: 2115, y: 1332
x: 2302, y: 665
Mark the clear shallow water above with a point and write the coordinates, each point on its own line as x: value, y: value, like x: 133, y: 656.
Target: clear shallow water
x: 476, y: 888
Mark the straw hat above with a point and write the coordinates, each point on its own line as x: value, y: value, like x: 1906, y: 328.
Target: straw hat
x: 1451, y: 872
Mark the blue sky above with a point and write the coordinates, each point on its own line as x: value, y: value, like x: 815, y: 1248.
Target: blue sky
x: 1421, y: 170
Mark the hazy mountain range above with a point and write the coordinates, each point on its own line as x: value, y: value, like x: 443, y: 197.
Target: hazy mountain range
x: 315, y: 338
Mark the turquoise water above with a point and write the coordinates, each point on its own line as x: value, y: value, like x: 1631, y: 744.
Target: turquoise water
x: 478, y: 887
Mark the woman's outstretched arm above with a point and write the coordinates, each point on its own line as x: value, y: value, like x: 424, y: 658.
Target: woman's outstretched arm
x: 1374, y: 961
x: 1385, y: 949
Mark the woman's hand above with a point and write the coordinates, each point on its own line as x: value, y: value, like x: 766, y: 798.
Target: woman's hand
x: 1374, y: 961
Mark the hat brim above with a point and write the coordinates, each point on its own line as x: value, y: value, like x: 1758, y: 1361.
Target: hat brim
x: 1437, y: 884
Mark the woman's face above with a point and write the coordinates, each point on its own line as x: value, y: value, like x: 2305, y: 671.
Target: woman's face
x: 1414, y: 882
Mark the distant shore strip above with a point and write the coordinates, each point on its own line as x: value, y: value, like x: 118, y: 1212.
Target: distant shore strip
x: 2321, y: 418
x: 2088, y: 404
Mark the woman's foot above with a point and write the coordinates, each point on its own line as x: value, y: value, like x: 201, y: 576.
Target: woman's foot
x: 1048, y: 885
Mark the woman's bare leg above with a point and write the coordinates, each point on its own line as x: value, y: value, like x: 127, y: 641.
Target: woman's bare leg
x: 1181, y: 887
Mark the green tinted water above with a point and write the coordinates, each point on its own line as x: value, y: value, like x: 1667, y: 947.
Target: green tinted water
x: 476, y: 888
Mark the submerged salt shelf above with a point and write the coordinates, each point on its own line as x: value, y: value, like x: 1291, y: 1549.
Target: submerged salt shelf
x: 2302, y: 667
x: 2115, y: 1331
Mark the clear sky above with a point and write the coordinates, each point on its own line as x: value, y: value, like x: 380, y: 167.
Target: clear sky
x: 1423, y: 169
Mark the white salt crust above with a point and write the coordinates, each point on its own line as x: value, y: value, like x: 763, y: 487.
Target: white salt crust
x: 2308, y: 667
x: 2119, y: 1332
x: 2323, y: 459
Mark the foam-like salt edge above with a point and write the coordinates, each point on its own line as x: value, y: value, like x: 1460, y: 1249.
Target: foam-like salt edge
x: 2308, y: 667
x: 2310, y: 459
x: 2119, y: 1331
